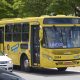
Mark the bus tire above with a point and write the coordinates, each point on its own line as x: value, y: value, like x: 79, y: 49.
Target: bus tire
x: 25, y: 64
x: 62, y: 69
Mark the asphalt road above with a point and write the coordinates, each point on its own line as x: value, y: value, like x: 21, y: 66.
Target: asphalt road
x: 50, y: 74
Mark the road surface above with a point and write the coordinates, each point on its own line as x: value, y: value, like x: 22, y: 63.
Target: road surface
x: 50, y: 74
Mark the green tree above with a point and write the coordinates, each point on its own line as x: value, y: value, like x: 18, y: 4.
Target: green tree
x: 6, y: 9
x: 33, y: 7
x: 26, y: 8
x: 64, y: 6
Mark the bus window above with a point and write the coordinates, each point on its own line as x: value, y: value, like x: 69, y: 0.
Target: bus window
x: 1, y: 36
x: 25, y: 32
x: 17, y: 32
x: 8, y: 32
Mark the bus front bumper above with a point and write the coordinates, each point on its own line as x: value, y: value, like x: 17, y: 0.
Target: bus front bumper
x: 69, y: 63
x: 60, y: 63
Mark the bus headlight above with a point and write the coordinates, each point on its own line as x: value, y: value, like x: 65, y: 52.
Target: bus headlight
x: 50, y: 58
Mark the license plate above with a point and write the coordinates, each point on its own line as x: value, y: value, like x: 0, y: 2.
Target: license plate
x: 68, y: 63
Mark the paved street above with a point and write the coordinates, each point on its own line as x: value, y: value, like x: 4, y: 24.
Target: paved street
x: 53, y: 74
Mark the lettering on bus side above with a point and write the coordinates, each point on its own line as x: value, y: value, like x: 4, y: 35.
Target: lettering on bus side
x: 57, y: 57
x: 15, y: 48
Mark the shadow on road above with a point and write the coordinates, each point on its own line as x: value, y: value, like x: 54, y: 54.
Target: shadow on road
x: 53, y: 72
x: 48, y: 72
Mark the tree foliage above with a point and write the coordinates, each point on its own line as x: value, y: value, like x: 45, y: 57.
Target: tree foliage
x: 64, y: 6
x: 6, y: 9
x: 34, y: 7
x: 25, y: 8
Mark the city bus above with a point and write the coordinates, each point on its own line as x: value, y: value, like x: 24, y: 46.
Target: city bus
x: 42, y: 42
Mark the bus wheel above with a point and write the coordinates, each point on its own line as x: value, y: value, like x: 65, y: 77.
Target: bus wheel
x: 25, y: 64
x: 62, y: 69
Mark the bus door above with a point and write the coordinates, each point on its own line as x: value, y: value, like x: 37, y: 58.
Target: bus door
x: 35, y: 45
x: 1, y: 39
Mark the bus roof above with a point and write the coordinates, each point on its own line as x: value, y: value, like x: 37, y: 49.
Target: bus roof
x: 17, y: 20
x: 59, y: 16
x: 31, y: 19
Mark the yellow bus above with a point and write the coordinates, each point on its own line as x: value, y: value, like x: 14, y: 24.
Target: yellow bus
x: 42, y: 42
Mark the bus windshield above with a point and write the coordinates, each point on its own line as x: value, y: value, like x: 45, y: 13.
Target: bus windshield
x: 61, y: 37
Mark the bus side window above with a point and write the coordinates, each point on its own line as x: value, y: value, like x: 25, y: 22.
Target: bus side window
x: 8, y: 32
x: 17, y: 32
x: 1, y: 37
x: 25, y: 32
